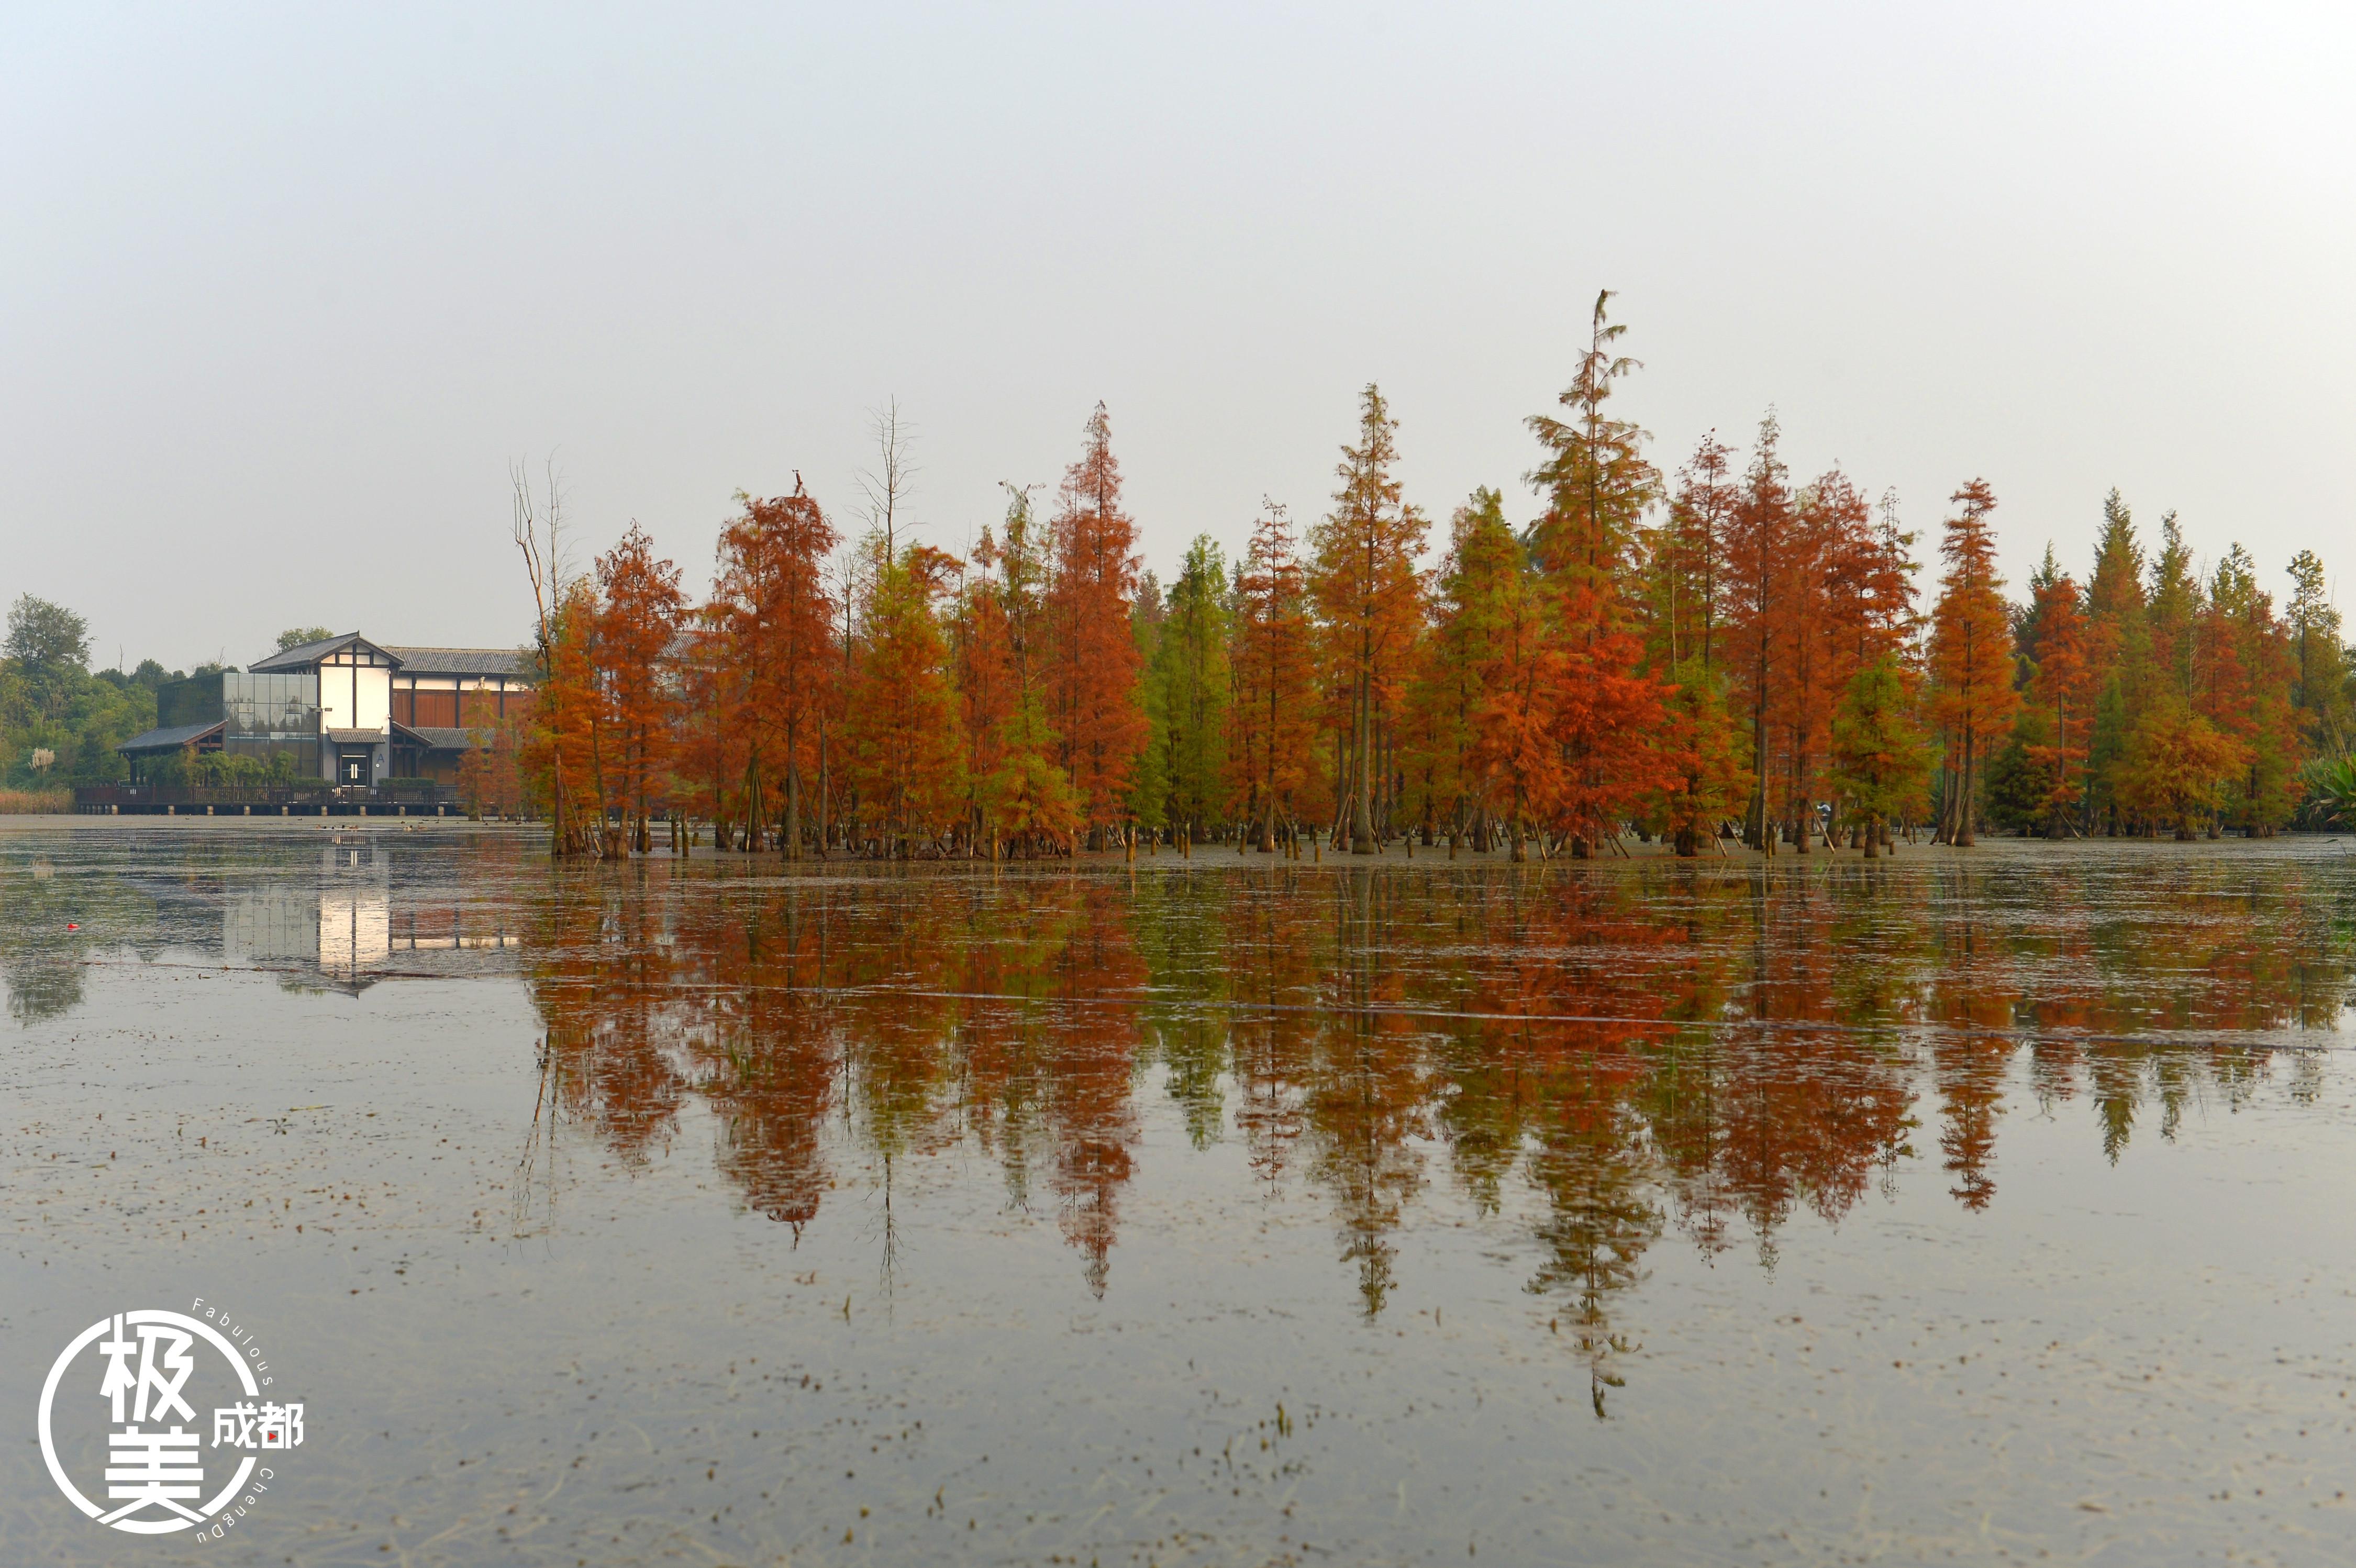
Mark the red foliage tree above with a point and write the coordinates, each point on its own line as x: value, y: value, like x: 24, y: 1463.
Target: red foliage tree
x: 563, y: 741
x: 1369, y: 599
x: 1689, y: 557
x: 1272, y: 725
x: 639, y: 615
x: 1607, y: 714
x: 1516, y: 751
x: 775, y: 617
x: 1972, y: 693
x: 2065, y: 686
x: 1092, y: 659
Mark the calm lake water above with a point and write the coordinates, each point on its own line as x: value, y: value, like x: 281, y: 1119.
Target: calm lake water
x: 1973, y: 1206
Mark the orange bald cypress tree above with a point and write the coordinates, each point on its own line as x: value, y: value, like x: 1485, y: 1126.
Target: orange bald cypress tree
x: 1369, y: 599
x: 900, y: 723
x: 1607, y: 713
x: 2065, y: 686
x: 565, y: 739
x: 775, y: 618
x: 2179, y: 766
x: 708, y: 759
x: 1608, y: 719
x: 1093, y: 659
x: 1688, y: 559
x: 639, y: 614
x: 1830, y: 633
x: 1516, y: 751
x: 1972, y: 693
x: 1272, y: 727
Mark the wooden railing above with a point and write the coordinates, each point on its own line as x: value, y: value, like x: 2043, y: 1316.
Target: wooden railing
x: 413, y: 795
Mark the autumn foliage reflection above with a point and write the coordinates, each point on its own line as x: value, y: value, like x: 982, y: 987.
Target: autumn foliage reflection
x: 1589, y: 1062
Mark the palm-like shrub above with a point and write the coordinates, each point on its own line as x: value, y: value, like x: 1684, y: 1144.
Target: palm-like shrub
x: 2332, y: 791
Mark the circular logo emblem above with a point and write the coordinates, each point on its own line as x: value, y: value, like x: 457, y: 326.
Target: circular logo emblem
x: 119, y: 1421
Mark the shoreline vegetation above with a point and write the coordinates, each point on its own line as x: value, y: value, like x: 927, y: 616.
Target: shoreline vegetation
x: 1209, y: 853
x: 1722, y: 654
x: 1725, y: 654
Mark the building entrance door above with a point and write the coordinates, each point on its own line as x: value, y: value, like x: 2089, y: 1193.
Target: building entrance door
x: 354, y: 769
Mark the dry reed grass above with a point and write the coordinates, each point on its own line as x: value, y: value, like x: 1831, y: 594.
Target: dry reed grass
x: 35, y: 802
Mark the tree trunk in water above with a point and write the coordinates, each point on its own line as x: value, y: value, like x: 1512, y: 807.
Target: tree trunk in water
x: 1964, y: 807
x: 793, y: 834
x: 1362, y: 765
x: 1754, y: 819
x: 821, y: 791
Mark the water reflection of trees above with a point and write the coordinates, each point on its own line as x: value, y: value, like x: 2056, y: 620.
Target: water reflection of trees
x: 74, y: 898
x: 1603, y: 1058
x: 41, y: 960
x: 924, y: 1021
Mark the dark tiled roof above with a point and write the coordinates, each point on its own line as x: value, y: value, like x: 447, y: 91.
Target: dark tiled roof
x: 170, y: 739
x: 439, y: 738
x: 304, y: 655
x: 355, y: 737
x: 508, y: 661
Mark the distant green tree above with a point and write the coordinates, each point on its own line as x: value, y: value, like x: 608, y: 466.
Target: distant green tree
x: 1149, y: 785
x: 59, y: 723
x: 2106, y: 754
x: 1880, y: 755
x: 2018, y: 783
x: 2174, y: 601
x: 154, y: 676
x: 1188, y: 675
x: 49, y: 646
x: 2321, y: 691
x: 2119, y: 647
x: 45, y: 637
x: 296, y: 636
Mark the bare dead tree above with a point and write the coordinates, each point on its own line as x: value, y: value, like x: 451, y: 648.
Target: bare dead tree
x: 850, y: 587
x: 892, y: 481
x: 538, y: 529
x: 537, y: 526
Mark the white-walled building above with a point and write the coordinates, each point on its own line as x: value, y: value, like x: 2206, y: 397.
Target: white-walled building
x: 346, y: 711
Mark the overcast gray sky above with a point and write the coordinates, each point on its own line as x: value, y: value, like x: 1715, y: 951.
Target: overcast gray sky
x: 283, y: 292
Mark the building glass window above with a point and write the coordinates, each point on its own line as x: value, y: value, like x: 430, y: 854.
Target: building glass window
x: 277, y: 707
